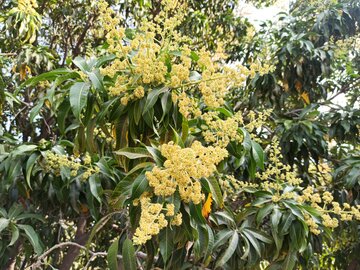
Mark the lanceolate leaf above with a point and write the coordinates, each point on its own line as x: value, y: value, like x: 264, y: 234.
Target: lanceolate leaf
x: 96, y: 80
x: 32, y: 236
x: 152, y: 98
x: 166, y: 243
x: 133, y: 152
x: 95, y: 187
x: 139, y: 186
x: 234, y: 240
x: 258, y: 154
x: 128, y: 253
x: 78, y: 97
x: 216, y: 191
x: 4, y: 222
x: 81, y: 63
x: 14, y: 235
x: 112, y: 255
x: 29, y: 166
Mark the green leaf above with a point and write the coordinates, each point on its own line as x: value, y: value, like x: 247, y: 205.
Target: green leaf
x: 263, y: 212
x: 166, y: 103
x: 80, y: 62
x: 96, y: 80
x: 3, y: 212
x: 210, y: 244
x: 286, y: 223
x: 221, y: 237
x: 29, y: 166
x: 290, y: 261
x: 29, y: 216
x: 253, y: 240
x: 258, y: 154
x: 62, y: 115
x: 140, y: 166
x: 225, y: 112
x: 14, y: 235
x: 32, y: 236
x: 128, y: 253
x: 259, y: 235
x: 133, y: 152
x: 275, y: 219
x: 177, y: 138
x: 234, y: 240
x: 112, y: 255
x: 295, y: 210
x: 104, y: 59
x: 166, y: 243
x: 139, y: 186
x: 23, y: 149
x: 152, y: 97
x: 215, y: 191
x: 194, y: 56
x: 36, y: 109
x: 156, y: 155
x: 95, y: 187
x: 48, y: 76
x: 296, y: 235
x: 4, y: 222
x: 78, y: 97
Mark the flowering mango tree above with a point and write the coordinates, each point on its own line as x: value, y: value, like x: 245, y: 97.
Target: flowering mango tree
x: 148, y: 153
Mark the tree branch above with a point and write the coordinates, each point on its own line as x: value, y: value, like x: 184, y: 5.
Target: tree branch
x: 93, y: 254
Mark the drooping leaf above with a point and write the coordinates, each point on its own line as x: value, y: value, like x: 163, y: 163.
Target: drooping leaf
x: 133, y: 152
x: 128, y: 253
x: 4, y: 223
x: 32, y: 236
x: 112, y: 255
x: 14, y: 235
x: 152, y: 97
x: 166, y: 243
x: 216, y: 191
x: 78, y: 97
x: 95, y: 187
x: 258, y: 154
x: 29, y: 166
x: 234, y: 240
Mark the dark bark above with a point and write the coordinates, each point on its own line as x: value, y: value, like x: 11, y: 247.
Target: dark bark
x: 81, y: 237
x: 354, y: 265
x: 12, y: 255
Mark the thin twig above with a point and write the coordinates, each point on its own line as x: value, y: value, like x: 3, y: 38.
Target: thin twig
x: 93, y: 254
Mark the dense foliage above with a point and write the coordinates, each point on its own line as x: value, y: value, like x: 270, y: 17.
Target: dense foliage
x: 175, y: 135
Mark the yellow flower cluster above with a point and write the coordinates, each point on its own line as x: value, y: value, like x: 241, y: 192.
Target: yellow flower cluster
x: 151, y: 220
x: 183, y: 169
x: 177, y: 220
x: 98, y: 132
x: 158, y: 55
x: 187, y: 106
x: 346, y: 213
x: 276, y: 170
x: 257, y: 120
x: 313, y: 226
x: 321, y: 173
x: 28, y: 6
x: 221, y: 132
x: 54, y: 162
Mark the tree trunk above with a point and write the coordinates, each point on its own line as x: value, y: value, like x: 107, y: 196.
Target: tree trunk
x: 81, y: 237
